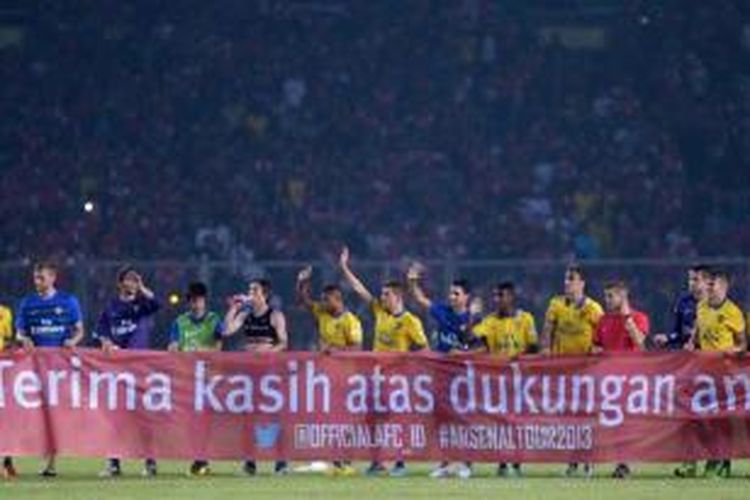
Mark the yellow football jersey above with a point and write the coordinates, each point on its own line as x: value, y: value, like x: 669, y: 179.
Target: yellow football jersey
x: 396, y: 333
x: 344, y: 330
x: 573, y: 324
x: 6, y: 326
x: 508, y: 335
x: 717, y: 326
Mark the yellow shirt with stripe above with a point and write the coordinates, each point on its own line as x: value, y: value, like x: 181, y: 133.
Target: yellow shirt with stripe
x: 574, y: 324
x: 344, y: 330
x: 6, y: 326
x: 396, y: 332
x: 717, y: 326
x: 508, y: 335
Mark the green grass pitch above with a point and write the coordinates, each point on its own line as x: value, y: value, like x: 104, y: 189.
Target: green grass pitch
x: 78, y: 480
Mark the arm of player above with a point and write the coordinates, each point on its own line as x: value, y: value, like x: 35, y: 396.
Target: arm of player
x: 234, y: 318
x: 24, y: 340
x: 174, y: 337
x: 143, y: 290
x: 278, y: 321
x: 412, y: 278
x: 738, y: 331
x: 21, y: 331
x: 77, y: 336
x: 636, y: 331
x: 548, y: 331
x: 78, y: 331
x: 353, y: 336
x: 304, y: 295
x: 356, y: 284
x: 102, y: 332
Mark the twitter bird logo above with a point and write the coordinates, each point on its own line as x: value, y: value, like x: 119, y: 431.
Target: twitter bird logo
x: 267, y: 435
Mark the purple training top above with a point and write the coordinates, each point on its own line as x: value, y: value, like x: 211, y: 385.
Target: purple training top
x: 128, y: 323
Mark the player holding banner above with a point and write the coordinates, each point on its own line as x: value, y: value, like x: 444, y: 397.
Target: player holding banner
x: 6, y: 338
x: 684, y: 311
x: 338, y: 329
x: 127, y: 323
x: 569, y: 326
x: 510, y: 332
x: 48, y: 318
x: 396, y: 329
x: 454, y: 319
x: 263, y: 330
x: 621, y: 329
x: 197, y: 329
x: 720, y: 327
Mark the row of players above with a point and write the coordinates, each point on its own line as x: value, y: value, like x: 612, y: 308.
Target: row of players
x: 704, y: 318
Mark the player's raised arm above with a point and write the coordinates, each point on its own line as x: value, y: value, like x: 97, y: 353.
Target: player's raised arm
x: 352, y: 278
x: 278, y: 321
x: 302, y: 289
x: 415, y: 289
x: 235, y: 316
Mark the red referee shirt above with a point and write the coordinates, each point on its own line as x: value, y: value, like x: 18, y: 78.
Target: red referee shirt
x: 611, y: 334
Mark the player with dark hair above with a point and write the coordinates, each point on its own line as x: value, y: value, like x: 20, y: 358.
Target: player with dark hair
x: 454, y: 320
x: 48, y: 318
x: 197, y: 329
x: 621, y: 329
x: 338, y: 329
x: 682, y: 334
x: 510, y: 332
x: 569, y: 325
x: 685, y: 310
x: 127, y: 323
x: 396, y: 329
x: 263, y: 330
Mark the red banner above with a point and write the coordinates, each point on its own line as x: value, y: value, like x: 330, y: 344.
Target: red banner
x: 643, y: 407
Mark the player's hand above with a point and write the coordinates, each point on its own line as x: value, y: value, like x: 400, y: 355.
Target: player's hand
x: 689, y: 346
x: 172, y: 347
x: 27, y: 344
x: 476, y: 306
x: 737, y: 352
x: 344, y: 257
x: 69, y: 343
x: 305, y: 274
x: 108, y: 346
x: 414, y: 273
x: 236, y: 301
x: 546, y: 352
x: 660, y: 339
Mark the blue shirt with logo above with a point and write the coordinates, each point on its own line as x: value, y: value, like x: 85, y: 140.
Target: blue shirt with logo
x: 48, y: 321
x: 452, y: 328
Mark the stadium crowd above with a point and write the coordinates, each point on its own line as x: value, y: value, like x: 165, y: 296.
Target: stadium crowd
x: 270, y: 129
